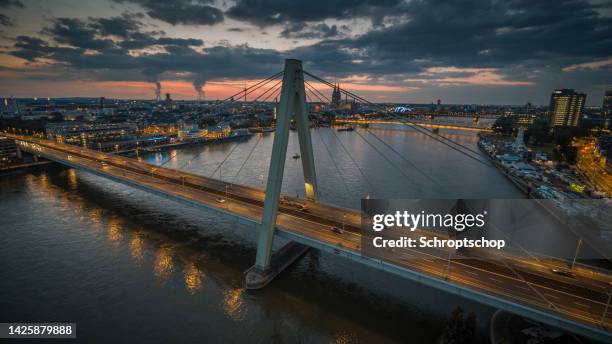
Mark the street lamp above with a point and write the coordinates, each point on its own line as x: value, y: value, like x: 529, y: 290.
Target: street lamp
x: 576, y: 254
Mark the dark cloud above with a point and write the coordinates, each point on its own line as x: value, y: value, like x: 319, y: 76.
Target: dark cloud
x: 77, y: 34
x: 122, y: 26
x: 11, y: 3
x: 138, y: 40
x: 76, y: 45
x: 498, y: 34
x: 515, y: 40
x: 188, y: 12
x: 184, y: 42
x: 270, y: 12
x: 303, y: 30
x: 493, y: 34
x: 4, y: 19
x: 32, y: 48
x: 120, y: 33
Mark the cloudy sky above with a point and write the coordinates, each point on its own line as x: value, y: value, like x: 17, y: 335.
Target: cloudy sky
x: 463, y: 51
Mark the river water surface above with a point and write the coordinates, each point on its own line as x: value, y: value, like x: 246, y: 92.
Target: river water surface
x: 126, y: 265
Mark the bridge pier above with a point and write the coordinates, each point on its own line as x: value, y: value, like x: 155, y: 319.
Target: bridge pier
x: 292, y: 104
x: 279, y: 261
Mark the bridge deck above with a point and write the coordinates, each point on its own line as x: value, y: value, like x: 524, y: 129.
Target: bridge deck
x: 439, y: 125
x: 521, y: 286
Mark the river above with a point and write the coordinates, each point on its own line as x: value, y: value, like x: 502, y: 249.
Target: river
x: 126, y: 265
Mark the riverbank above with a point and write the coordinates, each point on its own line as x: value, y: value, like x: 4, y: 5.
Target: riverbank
x: 166, y: 146
x: 560, y: 193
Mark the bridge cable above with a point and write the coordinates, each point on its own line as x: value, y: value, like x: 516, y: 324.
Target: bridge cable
x: 348, y: 192
x: 414, y: 125
x: 357, y: 97
x: 248, y: 157
x: 248, y: 89
x: 268, y: 90
x: 276, y: 91
x: 307, y: 97
x: 319, y: 92
x: 311, y: 95
x: 441, y: 136
x: 413, y: 165
x: 223, y: 161
x: 315, y: 94
x: 382, y: 154
x: 370, y: 185
x: 274, y: 95
x: 251, y: 87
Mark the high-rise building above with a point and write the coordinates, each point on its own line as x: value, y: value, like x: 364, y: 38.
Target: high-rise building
x: 606, y: 108
x: 566, y: 106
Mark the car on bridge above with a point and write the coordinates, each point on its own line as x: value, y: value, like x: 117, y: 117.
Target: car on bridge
x: 337, y: 230
x: 563, y: 272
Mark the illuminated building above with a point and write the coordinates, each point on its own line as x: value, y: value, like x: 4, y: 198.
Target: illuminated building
x: 98, y: 136
x: 606, y: 108
x: 566, y: 106
x: 8, y: 151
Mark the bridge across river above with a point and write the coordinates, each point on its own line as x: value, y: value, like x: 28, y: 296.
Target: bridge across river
x: 414, y: 123
x: 523, y: 287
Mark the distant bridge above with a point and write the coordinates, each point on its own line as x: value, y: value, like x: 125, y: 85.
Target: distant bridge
x: 420, y: 124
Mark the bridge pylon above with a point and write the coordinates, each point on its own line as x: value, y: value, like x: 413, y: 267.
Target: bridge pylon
x: 292, y: 105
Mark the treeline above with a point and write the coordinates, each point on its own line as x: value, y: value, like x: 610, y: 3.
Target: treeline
x: 37, y: 125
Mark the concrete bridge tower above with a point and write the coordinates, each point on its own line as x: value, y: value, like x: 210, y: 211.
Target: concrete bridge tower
x: 292, y: 105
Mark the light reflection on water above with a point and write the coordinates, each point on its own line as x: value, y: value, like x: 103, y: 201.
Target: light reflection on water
x: 113, y: 235
x: 193, y: 278
x: 233, y: 305
x: 136, y: 247
x: 163, y: 266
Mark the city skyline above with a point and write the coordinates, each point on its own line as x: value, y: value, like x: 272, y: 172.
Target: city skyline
x: 410, y: 52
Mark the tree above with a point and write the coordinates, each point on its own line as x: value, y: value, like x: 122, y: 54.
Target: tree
x: 460, y: 330
x: 207, y: 122
x: 562, y: 137
x: 538, y: 132
x: 504, y: 125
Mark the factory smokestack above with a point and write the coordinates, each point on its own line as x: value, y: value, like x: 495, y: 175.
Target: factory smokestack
x: 198, y: 85
x: 157, y: 91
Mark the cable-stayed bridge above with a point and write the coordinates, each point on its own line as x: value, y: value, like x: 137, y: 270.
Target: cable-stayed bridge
x: 511, y: 283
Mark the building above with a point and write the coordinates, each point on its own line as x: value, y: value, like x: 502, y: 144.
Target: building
x: 604, y: 147
x: 336, y: 95
x: 606, y: 108
x: 566, y: 106
x: 98, y: 136
x: 9, y: 152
